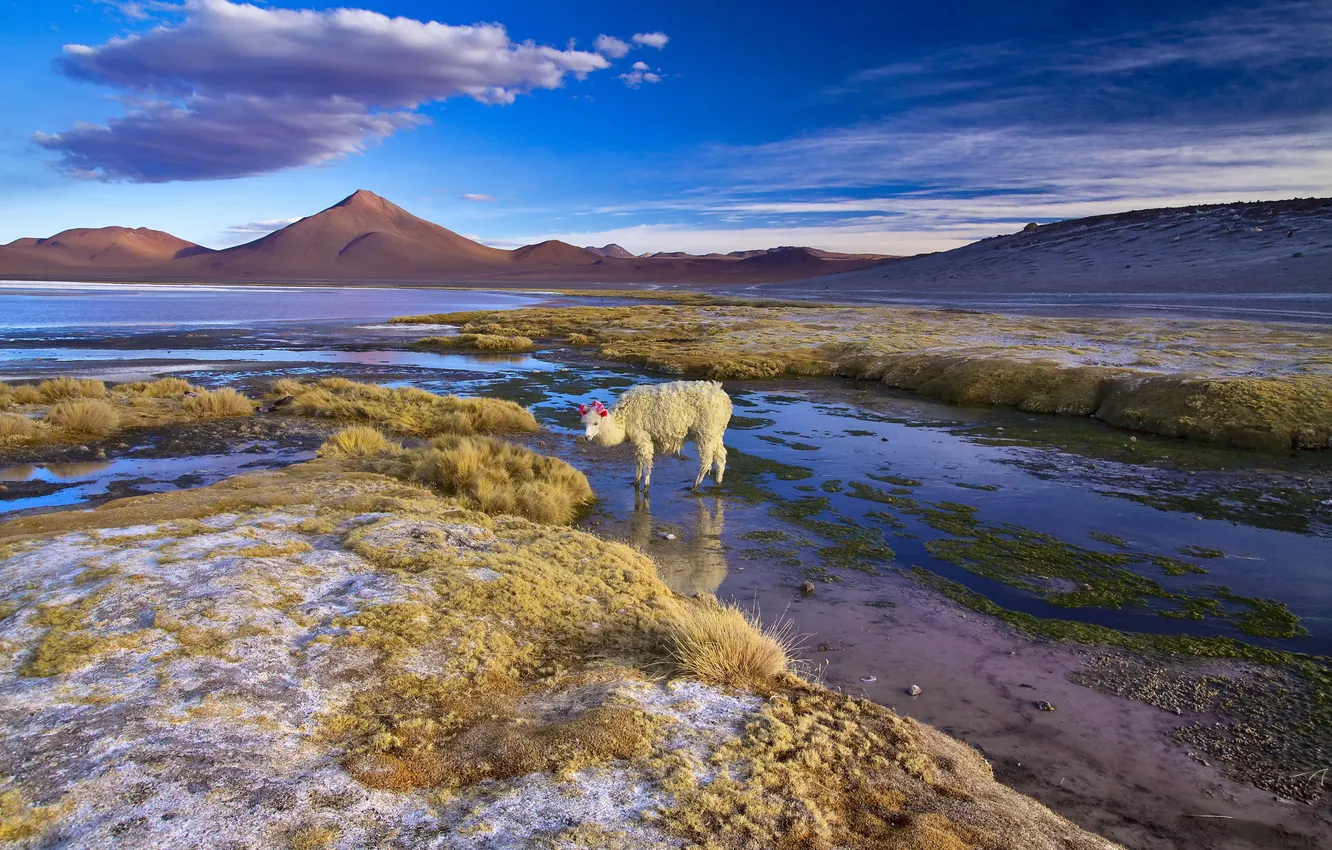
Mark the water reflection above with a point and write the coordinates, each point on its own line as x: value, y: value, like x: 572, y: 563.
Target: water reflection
x: 694, y: 561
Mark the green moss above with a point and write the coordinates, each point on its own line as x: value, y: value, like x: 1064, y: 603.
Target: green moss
x: 1106, y: 537
x: 1204, y: 647
x: 1175, y: 567
x: 986, y: 487
x: 895, y: 480
x: 832, y: 485
x: 765, y: 535
x: 858, y: 432
x: 860, y: 490
x: 1201, y: 552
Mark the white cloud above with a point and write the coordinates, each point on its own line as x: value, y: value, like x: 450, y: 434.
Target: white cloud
x: 310, y: 86
x: 609, y: 45
x: 639, y: 75
x: 238, y: 233
x: 477, y: 196
x: 651, y: 39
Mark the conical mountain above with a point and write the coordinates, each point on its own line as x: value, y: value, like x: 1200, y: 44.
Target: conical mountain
x: 363, y: 237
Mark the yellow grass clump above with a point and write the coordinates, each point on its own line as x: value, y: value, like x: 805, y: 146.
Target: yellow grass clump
x: 497, y: 477
x: 722, y: 645
x: 20, y: 819
x: 406, y: 410
x: 59, y: 389
x: 85, y: 416
x: 14, y: 426
x: 358, y: 441
x: 26, y: 394
x: 161, y: 388
x: 216, y: 404
x: 479, y: 342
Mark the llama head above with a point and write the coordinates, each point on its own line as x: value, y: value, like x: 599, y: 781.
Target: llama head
x: 593, y: 416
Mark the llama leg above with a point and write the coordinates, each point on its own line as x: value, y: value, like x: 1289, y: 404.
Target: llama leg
x: 643, y: 454
x: 719, y: 463
x: 704, y: 461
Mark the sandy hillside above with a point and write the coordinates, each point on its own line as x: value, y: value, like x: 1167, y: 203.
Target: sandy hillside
x: 1249, y: 248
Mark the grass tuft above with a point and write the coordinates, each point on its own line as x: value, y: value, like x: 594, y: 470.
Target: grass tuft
x: 161, y: 388
x: 58, y: 389
x: 720, y: 644
x: 479, y: 342
x: 359, y: 441
x: 406, y: 410
x: 14, y: 426
x: 26, y: 394
x: 217, y: 404
x: 85, y: 416
x: 497, y: 477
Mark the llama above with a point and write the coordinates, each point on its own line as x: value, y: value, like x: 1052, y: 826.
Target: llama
x: 658, y: 419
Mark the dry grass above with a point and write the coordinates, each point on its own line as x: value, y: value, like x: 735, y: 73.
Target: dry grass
x: 218, y: 404
x: 20, y: 819
x: 358, y: 441
x: 26, y: 394
x: 86, y: 416
x: 1201, y: 383
x: 161, y: 388
x: 497, y: 477
x: 15, y: 426
x: 722, y: 645
x: 59, y: 389
x: 405, y: 410
x: 479, y: 342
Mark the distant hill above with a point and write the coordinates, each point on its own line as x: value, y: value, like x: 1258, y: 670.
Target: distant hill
x: 1256, y: 248
x: 611, y: 250
x: 108, y: 247
x: 367, y: 238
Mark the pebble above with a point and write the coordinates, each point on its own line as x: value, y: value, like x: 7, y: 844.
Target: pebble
x: 868, y: 679
x: 666, y: 536
x: 1044, y: 706
x: 807, y: 588
x: 914, y: 690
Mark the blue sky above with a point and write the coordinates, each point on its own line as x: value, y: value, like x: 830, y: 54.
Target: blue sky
x: 887, y: 126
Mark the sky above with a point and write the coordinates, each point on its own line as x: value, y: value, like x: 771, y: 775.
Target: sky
x: 890, y: 126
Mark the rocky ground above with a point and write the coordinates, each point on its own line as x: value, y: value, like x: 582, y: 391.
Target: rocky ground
x: 320, y: 658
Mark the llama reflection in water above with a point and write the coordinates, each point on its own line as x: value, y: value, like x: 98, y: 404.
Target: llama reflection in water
x: 693, y: 562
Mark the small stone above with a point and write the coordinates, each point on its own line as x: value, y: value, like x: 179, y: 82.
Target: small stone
x: 1044, y: 706
x: 1133, y: 439
x: 914, y: 690
x: 868, y: 679
x: 666, y: 535
x: 84, y: 449
x: 807, y: 587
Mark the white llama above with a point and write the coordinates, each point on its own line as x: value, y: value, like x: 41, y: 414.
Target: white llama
x: 659, y: 418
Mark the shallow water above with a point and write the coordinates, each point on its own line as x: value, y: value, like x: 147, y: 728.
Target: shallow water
x: 80, y: 482
x: 119, y: 305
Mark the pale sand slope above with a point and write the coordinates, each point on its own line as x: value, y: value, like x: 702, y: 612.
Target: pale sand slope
x: 1252, y: 257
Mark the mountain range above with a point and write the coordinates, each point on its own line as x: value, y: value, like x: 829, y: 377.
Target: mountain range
x: 365, y: 238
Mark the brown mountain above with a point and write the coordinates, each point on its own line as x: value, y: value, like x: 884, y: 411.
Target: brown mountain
x: 366, y: 238
x: 363, y: 237
x: 611, y: 250
x: 555, y: 252
x: 102, y: 247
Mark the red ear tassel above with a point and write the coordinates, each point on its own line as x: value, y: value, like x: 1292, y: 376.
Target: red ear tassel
x: 604, y: 413
x: 582, y: 409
